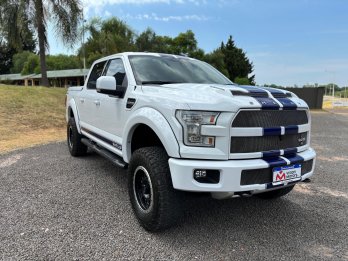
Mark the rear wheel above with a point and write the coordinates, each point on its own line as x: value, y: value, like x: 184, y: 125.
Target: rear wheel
x: 76, y: 147
x: 275, y: 193
x: 156, y: 204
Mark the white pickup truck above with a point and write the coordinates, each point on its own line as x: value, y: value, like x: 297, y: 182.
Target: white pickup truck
x: 180, y: 126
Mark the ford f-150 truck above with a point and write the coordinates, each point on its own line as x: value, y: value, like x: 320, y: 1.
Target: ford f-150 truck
x: 181, y: 126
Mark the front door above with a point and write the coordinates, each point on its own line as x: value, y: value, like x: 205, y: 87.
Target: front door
x: 109, y: 110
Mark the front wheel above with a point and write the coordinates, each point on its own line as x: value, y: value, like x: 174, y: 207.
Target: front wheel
x: 156, y: 204
x: 275, y: 193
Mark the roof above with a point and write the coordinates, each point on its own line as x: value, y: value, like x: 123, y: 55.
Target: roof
x: 14, y: 77
x: 50, y: 74
x: 63, y: 73
x: 117, y: 55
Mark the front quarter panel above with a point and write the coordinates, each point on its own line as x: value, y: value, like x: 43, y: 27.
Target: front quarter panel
x: 157, y: 122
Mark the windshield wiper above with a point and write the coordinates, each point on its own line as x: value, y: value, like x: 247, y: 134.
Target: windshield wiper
x: 158, y: 82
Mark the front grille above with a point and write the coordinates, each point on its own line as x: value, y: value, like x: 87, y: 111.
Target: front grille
x: 267, y: 143
x: 263, y: 176
x: 269, y: 118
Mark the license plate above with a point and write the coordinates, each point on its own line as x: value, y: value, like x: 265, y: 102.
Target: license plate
x: 283, y: 175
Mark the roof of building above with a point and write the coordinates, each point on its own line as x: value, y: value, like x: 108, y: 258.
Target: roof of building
x: 50, y: 74
x: 14, y: 77
x: 63, y: 73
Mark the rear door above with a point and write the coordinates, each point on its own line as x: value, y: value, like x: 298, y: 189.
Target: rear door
x: 87, y: 101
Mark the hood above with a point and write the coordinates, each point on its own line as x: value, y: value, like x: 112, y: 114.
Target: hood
x: 214, y: 97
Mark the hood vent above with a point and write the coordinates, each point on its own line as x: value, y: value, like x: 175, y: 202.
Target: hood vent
x: 282, y: 95
x: 250, y: 94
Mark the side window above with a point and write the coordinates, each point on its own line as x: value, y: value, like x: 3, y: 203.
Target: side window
x: 116, y: 68
x: 95, y: 74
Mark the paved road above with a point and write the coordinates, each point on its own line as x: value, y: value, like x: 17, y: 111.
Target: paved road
x: 53, y: 206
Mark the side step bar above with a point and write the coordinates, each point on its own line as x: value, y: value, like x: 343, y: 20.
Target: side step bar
x: 115, y: 159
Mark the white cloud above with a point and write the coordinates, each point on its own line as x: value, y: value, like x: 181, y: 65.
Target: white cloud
x: 107, y: 13
x: 155, y: 17
x: 97, y: 5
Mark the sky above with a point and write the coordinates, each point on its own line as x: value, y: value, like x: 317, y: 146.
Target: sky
x: 288, y: 41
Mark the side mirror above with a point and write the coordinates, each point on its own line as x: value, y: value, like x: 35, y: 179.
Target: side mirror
x: 107, y: 85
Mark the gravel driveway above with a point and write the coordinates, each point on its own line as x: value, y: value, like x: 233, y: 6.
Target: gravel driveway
x: 53, y: 206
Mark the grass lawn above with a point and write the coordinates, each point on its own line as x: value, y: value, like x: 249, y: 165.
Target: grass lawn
x: 30, y: 116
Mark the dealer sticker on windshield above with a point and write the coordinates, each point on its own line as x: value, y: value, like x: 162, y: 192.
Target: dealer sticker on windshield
x: 286, y: 174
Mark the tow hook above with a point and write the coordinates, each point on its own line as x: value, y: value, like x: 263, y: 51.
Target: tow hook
x: 243, y: 194
x: 308, y: 180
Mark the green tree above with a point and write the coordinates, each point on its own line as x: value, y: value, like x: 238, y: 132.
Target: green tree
x: 65, y: 15
x: 63, y: 62
x: 24, y: 42
x: 236, y: 61
x: 242, y: 81
x: 6, y: 54
x: 19, y: 59
x: 147, y: 41
x: 185, y: 43
x: 107, y: 37
x: 217, y: 59
x: 31, y: 65
x: 27, y: 63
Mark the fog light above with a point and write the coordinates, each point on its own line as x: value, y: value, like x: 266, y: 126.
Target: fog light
x: 210, y: 176
x: 200, y: 173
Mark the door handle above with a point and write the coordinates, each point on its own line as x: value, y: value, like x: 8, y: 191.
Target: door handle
x: 97, y: 103
x: 82, y: 100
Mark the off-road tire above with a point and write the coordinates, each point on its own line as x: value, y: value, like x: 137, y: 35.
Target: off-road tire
x: 167, y: 204
x: 76, y: 147
x: 275, y: 193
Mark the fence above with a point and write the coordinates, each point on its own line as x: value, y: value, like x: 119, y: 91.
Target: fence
x: 312, y: 96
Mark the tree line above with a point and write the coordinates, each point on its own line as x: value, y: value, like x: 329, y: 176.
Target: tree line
x: 23, y: 41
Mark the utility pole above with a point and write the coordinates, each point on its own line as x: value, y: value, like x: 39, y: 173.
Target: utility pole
x: 83, y: 46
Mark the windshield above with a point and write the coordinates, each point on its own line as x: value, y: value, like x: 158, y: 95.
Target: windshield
x: 166, y: 69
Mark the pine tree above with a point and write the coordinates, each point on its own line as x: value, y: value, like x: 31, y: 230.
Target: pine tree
x: 236, y: 62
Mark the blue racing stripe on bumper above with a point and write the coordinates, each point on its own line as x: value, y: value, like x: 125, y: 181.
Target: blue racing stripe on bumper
x: 290, y: 151
x: 272, y: 131
x: 275, y: 161
x: 295, y: 159
x: 292, y: 129
x: 271, y: 153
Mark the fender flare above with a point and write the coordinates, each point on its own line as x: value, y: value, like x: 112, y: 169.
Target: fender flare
x: 158, y: 123
x: 73, y: 107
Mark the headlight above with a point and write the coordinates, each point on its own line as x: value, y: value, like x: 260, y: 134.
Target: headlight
x: 192, y: 121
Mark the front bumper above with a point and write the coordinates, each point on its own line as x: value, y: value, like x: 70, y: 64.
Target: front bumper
x: 230, y: 174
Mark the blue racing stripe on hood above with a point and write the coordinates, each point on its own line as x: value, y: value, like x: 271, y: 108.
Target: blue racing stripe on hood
x: 287, y: 103
x: 272, y: 90
x: 252, y: 89
x: 267, y: 103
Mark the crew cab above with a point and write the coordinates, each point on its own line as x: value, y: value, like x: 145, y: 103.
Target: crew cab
x: 178, y: 125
